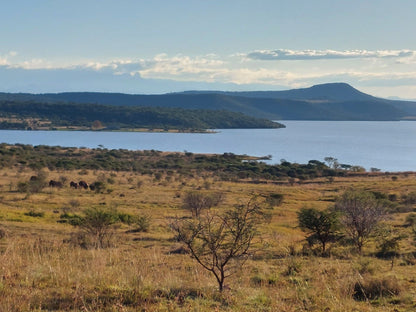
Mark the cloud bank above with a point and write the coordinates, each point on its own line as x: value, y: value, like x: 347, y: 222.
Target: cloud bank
x: 293, y: 55
x: 381, y: 71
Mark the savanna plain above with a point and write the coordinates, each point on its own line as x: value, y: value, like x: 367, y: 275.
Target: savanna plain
x: 51, y: 261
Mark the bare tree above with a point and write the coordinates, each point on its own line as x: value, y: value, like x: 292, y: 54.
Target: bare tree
x: 197, y: 201
x: 360, y: 214
x: 220, y: 242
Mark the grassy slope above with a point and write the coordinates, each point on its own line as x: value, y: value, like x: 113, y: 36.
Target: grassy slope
x: 38, y: 270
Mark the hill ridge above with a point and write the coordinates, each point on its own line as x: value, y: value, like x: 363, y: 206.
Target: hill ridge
x: 330, y: 101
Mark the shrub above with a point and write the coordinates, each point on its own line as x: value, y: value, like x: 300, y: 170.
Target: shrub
x: 99, y: 225
x: 72, y: 219
x: 293, y: 267
x: 34, y: 214
x: 411, y: 220
x: 198, y: 201
x: 409, y: 199
x: 374, y: 288
x: 2, y: 233
x: 98, y: 187
x: 35, y: 185
x: 365, y: 266
x: 274, y: 199
x: 142, y: 224
x: 74, y: 203
x: 389, y: 242
x: 139, y: 183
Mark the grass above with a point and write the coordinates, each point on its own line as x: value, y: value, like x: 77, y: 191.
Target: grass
x: 41, y: 271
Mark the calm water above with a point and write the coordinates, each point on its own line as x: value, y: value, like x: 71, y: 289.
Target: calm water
x: 389, y: 146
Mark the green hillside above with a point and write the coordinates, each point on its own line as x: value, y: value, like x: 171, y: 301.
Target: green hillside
x: 33, y: 115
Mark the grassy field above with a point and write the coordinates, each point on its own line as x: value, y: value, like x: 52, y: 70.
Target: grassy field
x: 43, y: 269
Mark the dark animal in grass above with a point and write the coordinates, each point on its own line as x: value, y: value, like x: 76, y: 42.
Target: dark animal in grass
x: 53, y: 183
x: 73, y: 184
x: 34, y: 178
x: 92, y: 186
x: 83, y: 184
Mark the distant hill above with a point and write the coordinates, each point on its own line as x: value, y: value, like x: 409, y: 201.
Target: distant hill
x: 38, y: 115
x: 339, y: 92
x: 332, y: 101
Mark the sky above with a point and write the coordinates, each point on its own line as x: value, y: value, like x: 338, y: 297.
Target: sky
x: 159, y: 46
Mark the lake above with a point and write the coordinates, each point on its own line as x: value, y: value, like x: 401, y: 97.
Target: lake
x: 389, y: 146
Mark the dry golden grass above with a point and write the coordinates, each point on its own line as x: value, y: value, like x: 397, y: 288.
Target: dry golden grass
x: 40, y: 271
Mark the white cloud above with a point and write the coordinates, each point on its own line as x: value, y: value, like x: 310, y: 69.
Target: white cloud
x: 283, y: 54
x: 357, y: 67
x: 4, y: 59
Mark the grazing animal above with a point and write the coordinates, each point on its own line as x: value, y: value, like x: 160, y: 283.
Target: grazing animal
x: 73, y: 184
x: 83, y: 184
x: 92, y: 186
x: 53, y: 183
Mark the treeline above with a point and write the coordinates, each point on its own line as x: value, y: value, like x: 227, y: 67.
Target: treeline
x: 226, y: 166
x: 119, y: 117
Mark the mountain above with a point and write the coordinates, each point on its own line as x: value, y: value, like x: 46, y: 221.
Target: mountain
x: 324, y: 92
x: 332, y: 101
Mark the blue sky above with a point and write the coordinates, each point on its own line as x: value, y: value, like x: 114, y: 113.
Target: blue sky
x: 165, y: 46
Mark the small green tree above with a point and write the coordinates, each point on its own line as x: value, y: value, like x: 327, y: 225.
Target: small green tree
x: 322, y: 225
x: 389, y: 242
x: 218, y: 242
x: 99, y: 224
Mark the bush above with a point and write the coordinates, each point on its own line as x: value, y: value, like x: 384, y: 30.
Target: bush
x: 98, y: 187
x: 274, y: 199
x: 409, y: 199
x: 260, y: 280
x: 34, y: 214
x: 98, y: 224
x: 389, y: 242
x: 411, y: 220
x: 74, y: 203
x: 293, y: 267
x: 2, y: 233
x: 374, y: 288
x: 197, y: 201
x: 35, y: 185
x: 142, y: 224
x: 72, y: 219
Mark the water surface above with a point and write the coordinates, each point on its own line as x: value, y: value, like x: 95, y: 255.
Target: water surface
x: 389, y: 146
